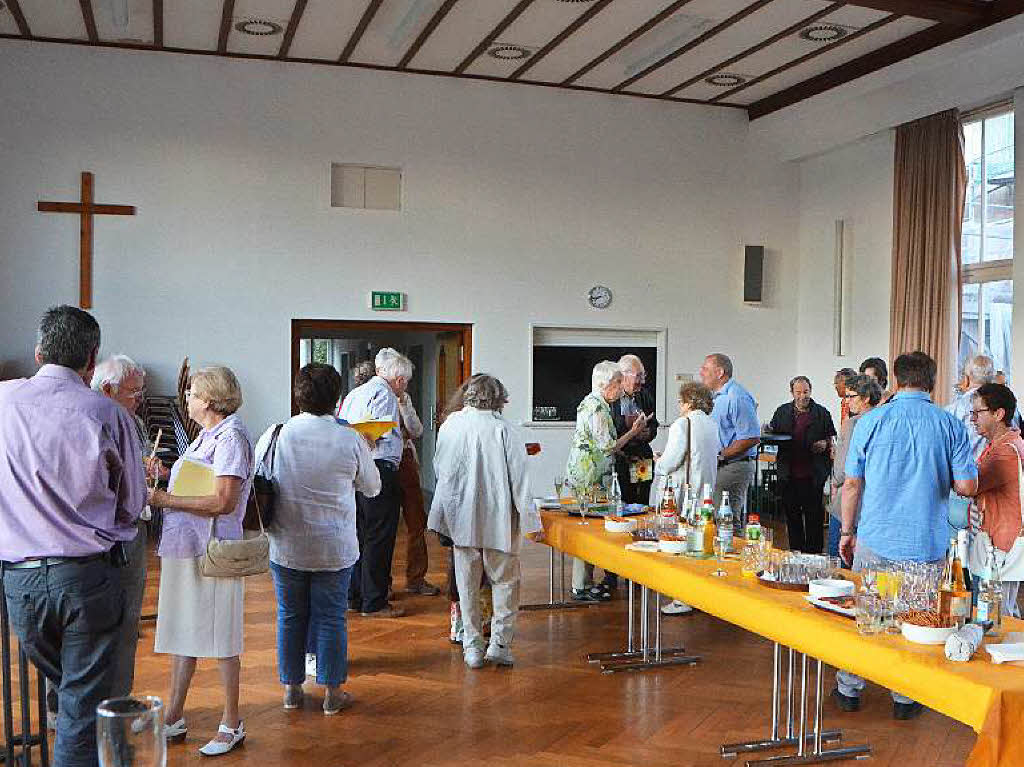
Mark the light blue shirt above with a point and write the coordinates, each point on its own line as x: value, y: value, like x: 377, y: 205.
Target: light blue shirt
x: 735, y: 412
x: 375, y: 401
x: 908, y: 453
x: 961, y: 408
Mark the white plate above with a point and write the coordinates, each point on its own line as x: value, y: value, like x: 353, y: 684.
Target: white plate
x: 830, y: 588
x: 847, y: 611
x: 925, y: 634
x: 642, y: 546
x: 672, y: 547
x: 613, y: 526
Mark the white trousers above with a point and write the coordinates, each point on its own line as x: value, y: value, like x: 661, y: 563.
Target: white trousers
x: 502, y: 571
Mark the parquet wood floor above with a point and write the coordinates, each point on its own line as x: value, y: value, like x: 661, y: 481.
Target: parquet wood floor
x: 417, y: 704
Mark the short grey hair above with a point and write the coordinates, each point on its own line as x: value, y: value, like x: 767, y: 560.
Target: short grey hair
x: 114, y: 370
x: 629, y: 361
x: 391, y: 363
x: 68, y: 337
x: 485, y: 392
x: 865, y: 386
x: 604, y: 373
x: 723, y: 362
x: 981, y: 369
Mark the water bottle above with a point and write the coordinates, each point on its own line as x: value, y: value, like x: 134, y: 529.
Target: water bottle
x: 725, y: 531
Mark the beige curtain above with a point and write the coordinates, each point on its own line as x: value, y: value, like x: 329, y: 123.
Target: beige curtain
x: 930, y: 182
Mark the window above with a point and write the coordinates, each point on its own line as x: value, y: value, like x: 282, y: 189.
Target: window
x: 987, y: 240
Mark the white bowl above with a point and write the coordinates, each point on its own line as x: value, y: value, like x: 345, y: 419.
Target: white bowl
x: 672, y: 547
x: 827, y: 587
x: 614, y: 526
x: 926, y: 634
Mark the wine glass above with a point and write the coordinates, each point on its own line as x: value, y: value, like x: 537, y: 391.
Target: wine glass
x: 583, y: 497
x: 130, y: 732
x: 559, y: 484
x: 719, y: 553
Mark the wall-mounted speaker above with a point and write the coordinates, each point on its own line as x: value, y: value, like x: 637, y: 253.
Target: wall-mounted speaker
x: 753, y: 273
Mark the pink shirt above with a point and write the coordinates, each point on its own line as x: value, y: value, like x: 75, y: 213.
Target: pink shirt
x: 227, y: 447
x: 71, y: 475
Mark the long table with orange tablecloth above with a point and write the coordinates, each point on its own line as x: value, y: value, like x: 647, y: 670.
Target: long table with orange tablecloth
x: 987, y: 697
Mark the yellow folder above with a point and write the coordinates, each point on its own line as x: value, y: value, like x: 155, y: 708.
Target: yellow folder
x: 193, y: 479
x: 374, y: 429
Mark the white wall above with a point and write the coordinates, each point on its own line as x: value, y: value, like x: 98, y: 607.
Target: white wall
x: 854, y: 184
x: 516, y: 201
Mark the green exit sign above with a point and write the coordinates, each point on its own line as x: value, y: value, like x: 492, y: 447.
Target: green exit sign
x: 387, y: 301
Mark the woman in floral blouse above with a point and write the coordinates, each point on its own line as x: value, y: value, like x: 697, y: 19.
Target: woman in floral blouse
x: 591, y: 456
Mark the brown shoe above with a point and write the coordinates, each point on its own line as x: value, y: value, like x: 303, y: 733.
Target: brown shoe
x: 336, y: 703
x: 391, y: 611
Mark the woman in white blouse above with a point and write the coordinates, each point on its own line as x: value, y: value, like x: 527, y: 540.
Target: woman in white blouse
x: 691, y: 454
x: 317, y: 466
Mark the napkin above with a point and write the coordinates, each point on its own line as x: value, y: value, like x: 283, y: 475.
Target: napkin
x: 1001, y: 653
x: 961, y: 645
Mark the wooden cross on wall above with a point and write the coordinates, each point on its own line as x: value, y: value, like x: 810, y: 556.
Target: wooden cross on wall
x: 86, y: 208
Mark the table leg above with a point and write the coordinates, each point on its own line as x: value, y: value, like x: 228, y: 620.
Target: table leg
x: 661, y: 657
x: 730, y: 750
x: 561, y: 604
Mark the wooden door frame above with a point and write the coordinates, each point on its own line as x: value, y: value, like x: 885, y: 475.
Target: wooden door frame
x: 306, y: 327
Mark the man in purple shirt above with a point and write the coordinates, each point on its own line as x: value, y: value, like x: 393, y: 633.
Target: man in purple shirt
x: 72, y: 485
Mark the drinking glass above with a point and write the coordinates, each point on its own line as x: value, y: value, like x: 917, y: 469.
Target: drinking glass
x: 867, y: 612
x: 583, y: 498
x: 719, y: 572
x: 130, y: 732
x: 559, y: 484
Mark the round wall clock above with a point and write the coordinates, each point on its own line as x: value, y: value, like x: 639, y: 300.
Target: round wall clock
x: 600, y: 297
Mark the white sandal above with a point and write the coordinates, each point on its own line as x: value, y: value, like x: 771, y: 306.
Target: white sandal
x: 217, y: 747
x: 175, y: 730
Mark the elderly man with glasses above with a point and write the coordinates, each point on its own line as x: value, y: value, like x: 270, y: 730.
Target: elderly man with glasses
x: 635, y: 403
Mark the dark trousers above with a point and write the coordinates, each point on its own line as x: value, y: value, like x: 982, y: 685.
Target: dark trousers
x: 805, y: 515
x: 415, y: 516
x: 632, y: 492
x: 68, y: 618
x: 376, y: 528
x: 311, y: 604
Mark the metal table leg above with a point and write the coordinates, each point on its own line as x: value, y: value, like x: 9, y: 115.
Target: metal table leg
x: 644, y: 658
x: 775, y: 739
x: 630, y: 653
x: 561, y: 604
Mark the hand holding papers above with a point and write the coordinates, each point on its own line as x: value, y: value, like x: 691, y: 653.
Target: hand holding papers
x: 194, y: 479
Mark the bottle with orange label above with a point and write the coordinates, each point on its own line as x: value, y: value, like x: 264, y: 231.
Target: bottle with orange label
x: 707, y: 512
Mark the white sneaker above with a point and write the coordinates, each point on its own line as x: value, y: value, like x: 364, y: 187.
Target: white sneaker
x: 474, y: 657
x: 218, y: 747
x: 311, y: 665
x: 675, y: 607
x: 175, y: 730
x: 499, y: 655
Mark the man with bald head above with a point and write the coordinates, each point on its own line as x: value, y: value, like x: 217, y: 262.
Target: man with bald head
x: 636, y: 403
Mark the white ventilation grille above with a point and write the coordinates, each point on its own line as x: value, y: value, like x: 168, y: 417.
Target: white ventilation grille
x: 366, y: 187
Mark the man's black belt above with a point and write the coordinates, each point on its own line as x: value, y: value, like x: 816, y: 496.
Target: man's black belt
x: 722, y: 463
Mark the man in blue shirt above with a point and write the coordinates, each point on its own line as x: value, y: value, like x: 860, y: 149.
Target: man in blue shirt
x: 903, y: 460
x: 735, y: 412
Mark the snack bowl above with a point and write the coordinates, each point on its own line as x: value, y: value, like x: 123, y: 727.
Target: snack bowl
x: 830, y: 587
x: 619, y: 525
x: 926, y: 634
x: 672, y: 545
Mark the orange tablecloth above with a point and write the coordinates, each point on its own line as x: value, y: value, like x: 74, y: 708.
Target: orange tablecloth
x: 987, y: 697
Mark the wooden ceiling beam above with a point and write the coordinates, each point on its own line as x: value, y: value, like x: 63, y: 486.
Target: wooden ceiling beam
x: 909, y: 46
x: 643, y: 29
x: 293, y: 25
x: 720, y: 27
x: 790, y: 30
x: 364, y: 21
x: 158, y: 23
x: 89, y: 19
x: 226, y: 14
x: 486, y: 43
x: 19, y: 18
x: 428, y: 30
x: 808, y: 56
x: 560, y: 38
x: 943, y: 11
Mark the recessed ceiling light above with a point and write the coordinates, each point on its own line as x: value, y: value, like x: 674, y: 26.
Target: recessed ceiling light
x: 724, y: 80
x: 259, y: 27
x: 823, y: 33
x: 509, y: 52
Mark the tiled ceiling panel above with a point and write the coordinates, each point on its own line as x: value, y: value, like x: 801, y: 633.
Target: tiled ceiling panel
x: 55, y: 18
x: 325, y: 28
x: 191, y: 24
x: 393, y: 30
x: 465, y: 26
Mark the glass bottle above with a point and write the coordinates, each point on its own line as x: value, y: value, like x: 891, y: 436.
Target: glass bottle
x: 954, y: 598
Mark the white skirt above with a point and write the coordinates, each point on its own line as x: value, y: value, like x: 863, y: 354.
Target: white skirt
x: 198, y: 617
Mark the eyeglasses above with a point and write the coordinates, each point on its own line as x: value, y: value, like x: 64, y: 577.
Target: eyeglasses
x: 974, y: 413
x: 850, y: 396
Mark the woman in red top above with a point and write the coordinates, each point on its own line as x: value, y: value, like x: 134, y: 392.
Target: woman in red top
x: 998, y: 497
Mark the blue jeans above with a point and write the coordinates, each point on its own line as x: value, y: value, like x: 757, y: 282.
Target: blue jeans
x: 313, y: 605
x: 834, y: 528
x: 68, y: 618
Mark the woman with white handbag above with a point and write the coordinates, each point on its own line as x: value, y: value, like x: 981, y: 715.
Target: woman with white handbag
x: 199, y: 612
x: 996, y: 513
